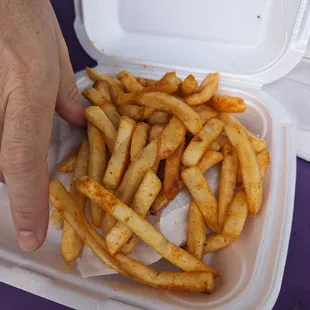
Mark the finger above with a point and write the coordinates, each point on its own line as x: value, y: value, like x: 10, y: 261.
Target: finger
x: 2, y: 180
x: 69, y: 105
x: 24, y: 149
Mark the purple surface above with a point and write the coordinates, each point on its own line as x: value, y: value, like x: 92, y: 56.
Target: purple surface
x: 295, y: 291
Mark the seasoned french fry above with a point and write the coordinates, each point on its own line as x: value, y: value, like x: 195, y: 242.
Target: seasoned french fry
x: 222, y: 141
x: 227, y: 104
x: 188, y: 86
x: 200, y: 143
x: 205, y: 112
x: 129, y: 246
x: 205, y: 91
x: 147, y: 112
x: 146, y: 82
x: 99, y: 99
x: 258, y: 144
x: 68, y: 163
x: 97, y: 164
x: 166, y: 103
x: 56, y: 220
x: 144, y: 197
x: 107, y: 222
x: 71, y: 243
x: 169, y: 83
x: 158, y: 117
x: 156, y: 131
x: 139, y: 140
x: 129, y: 81
x: 161, y: 201
x: 227, y: 184
x: 203, y: 196
x: 105, y: 89
x: 215, y: 243
x: 239, y: 176
x: 119, y: 159
x: 251, y: 177
x: 214, y: 146
x: 100, y: 120
x: 172, y: 172
x: 171, y: 137
x: 136, y: 171
x: 141, y: 227
x: 196, y: 233
x: 133, y: 111
x: 263, y: 161
x: 236, y: 216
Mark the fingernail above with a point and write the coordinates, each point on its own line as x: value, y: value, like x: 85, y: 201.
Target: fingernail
x: 28, y: 241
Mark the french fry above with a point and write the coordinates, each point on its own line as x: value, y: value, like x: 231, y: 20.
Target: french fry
x: 146, y: 82
x: 147, y: 112
x: 105, y: 89
x: 239, y: 176
x: 251, y: 177
x: 205, y: 91
x: 228, y: 179
x: 98, y: 99
x: 136, y: 171
x: 188, y: 86
x: 215, y: 243
x: 258, y: 144
x: 166, y: 103
x: 203, y: 196
x: 205, y: 112
x: 97, y: 164
x: 144, y: 197
x: 222, y: 141
x: 133, y: 111
x: 141, y: 227
x: 208, y: 160
x: 158, y: 117
x: 172, y: 172
x: 68, y: 163
x: 129, y: 81
x: 196, y: 233
x: 107, y: 222
x: 56, y: 220
x: 100, y: 120
x: 139, y: 140
x: 214, y: 146
x: 200, y: 143
x: 227, y: 104
x: 236, y: 216
x: 171, y: 137
x: 156, y: 131
x: 129, y: 246
x: 71, y: 243
x: 119, y: 159
x: 263, y: 161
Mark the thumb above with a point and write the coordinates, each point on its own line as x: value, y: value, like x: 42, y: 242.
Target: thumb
x: 69, y: 105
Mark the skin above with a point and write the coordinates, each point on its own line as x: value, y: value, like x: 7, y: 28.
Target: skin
x: 36, y: 78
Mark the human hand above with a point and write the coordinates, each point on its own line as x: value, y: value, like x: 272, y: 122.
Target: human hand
x: 35, y: 78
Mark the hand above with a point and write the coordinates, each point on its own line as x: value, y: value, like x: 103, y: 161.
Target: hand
x: 35, y: 78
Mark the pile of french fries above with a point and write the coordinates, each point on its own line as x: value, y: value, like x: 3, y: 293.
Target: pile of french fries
x: 147, y: 140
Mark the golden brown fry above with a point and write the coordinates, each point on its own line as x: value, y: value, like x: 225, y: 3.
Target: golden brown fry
x: 236, y: 216
x: 56, y: 219
x: 146, y: 82
x: 222, y: 141
x: 215, y: 243
x: 97, y: 164
x: 141, y: 227
x: 169, y: 83
x: 68, y: 163
x: 136, y: 171
x: 147, y: 112
x: 107, y: 222
x: 214, y: 146
x: 203, y: 196
x: 171, y: 137
x: 205, y: 91
x: 263, y: 161
x: 98, y: 99
x: 119, y: 159
x: 133, y: 111
x: 129, y: 81
x: 71, y: 243
x: 105, y: 89
x: 156, y: 131
x: 227, y: 104
x: 205, y: 112
x: 100, y: 120
x: 251, y: 177
x: 228, y: 179
x: 239, y: 176
x: 200, y: 143
x: 161, y: 201
x: 158, y: 117
x: 258, y: 144
x: 166, y: 103
x: 139, y: 140
x: 188, y: 86
x: 129, y: 246
x: 196, y: 233
x: 172, y: 172
x: 144, y: 197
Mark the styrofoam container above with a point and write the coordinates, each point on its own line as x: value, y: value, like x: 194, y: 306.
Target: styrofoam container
x: 251, y: 43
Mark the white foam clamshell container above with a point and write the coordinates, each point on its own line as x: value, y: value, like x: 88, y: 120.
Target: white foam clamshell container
x: 251, y: 44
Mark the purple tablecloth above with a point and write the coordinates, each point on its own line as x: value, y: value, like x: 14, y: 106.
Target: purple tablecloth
x: 295, y: 291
